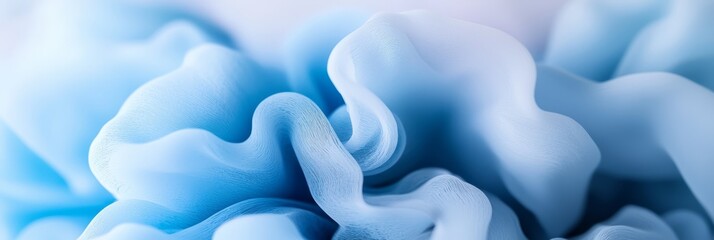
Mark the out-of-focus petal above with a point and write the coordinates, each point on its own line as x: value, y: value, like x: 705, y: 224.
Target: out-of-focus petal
x: 631, y: 222
x: 648, y: 126
x: 590, y: 37
x: 679, y: 43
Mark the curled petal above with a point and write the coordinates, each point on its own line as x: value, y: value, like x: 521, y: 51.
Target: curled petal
x: 648, y: 125
x: 484, y: 80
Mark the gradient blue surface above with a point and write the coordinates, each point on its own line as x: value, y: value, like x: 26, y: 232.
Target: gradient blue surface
x: 122, y: 120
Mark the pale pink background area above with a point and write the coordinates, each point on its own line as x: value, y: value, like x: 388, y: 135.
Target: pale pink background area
x: 261, y: 27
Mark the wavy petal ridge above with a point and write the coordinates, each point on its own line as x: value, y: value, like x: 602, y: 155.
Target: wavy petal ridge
x: 65, y: 82
x: 669, y: 116
x: 401, y: 55
x: 602, y: 31
x: 52, y: 84
x: 621, y: 38
x: 122, y: 160
x: 402, y: 125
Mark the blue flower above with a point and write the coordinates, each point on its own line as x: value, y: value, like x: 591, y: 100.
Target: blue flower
x: 128, y: 121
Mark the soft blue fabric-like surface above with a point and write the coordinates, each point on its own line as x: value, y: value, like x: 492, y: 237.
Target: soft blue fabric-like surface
x: 84, y: 60
x: 124, y: 121
x: 203, y: 132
